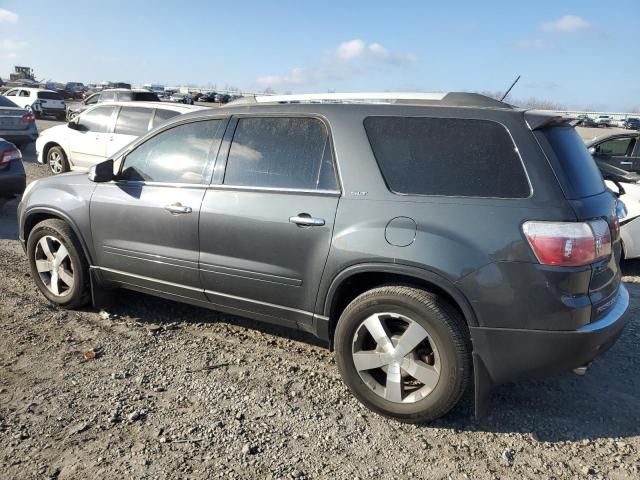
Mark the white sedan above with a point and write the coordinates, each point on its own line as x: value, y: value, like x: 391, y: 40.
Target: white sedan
x: 101, y: 131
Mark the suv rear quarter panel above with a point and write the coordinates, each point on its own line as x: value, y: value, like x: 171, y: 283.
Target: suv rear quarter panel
x: 475, y: 243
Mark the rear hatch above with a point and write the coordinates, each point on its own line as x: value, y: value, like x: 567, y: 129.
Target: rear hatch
x: 51, y: 100
x: 11, y: 116
x: 584, y: 188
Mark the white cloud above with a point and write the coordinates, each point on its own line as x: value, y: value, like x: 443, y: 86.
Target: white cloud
x: 533, y: 44
x: 8, y: 44
x: 566, y: 24
x: 350, y: 57
x: 7, y: 16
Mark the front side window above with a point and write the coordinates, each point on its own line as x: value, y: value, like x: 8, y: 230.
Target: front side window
x: 93, y: 99
x: 24, y: 93
x: 616, y: 147
x: 447, y: 157
x: 95, y: 120
x: 277, y: 152
x: 133, y: 121
x: 177, y: 155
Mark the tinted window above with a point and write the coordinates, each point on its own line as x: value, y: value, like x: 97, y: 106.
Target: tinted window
x: 93, y: 99
x: 5, y: 102
x: 145, y: 97
x: 96, y: 120
x: 281, y: 153
x: 617, y: 147
x: 163, y: 115
x: 177, y: 155
x: 578, y: 173
x: 447, y: 156
x: 50, y: 96
x: 133, y: 121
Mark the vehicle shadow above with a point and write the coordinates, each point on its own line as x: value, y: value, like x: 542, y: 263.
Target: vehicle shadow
x: 604, y: 404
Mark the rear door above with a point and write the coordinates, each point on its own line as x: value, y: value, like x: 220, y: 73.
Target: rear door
x: 88, y: 143
x: 266, y: 223
x: 145, y: 225
x: 620, y: 152
x: 131, y: 123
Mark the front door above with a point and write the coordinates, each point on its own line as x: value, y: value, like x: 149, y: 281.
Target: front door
x: 145, y: 224
x: 266, y: 223
x: 88, y: 141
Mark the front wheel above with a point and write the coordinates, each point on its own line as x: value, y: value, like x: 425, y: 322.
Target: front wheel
x: 57, y: 161
x: 404, y: 353
x: 57, y: 264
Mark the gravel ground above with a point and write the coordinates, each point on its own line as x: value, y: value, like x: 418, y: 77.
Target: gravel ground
x: 156, y: 389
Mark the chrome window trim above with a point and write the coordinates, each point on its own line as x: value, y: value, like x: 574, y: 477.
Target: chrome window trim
x: 275, y: 189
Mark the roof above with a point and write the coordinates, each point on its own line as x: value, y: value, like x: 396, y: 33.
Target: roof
x: 451, y: 99
x: 126, y: 90
x: 167, y: 105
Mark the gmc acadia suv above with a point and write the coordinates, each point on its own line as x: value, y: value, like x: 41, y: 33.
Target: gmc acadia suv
x: 433, y: 240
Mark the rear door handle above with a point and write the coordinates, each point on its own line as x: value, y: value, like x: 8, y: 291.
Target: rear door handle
x: 306, y: 220
x: 177, y: 208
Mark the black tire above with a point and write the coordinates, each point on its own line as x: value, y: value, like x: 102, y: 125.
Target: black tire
x: 76, y: 295
x: 57, y: 160
x: 446, y: 329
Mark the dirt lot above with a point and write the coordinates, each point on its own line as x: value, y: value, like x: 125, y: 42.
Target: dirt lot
x: 180, y: 392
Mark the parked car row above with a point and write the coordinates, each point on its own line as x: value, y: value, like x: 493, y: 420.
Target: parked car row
x: 630, y: 123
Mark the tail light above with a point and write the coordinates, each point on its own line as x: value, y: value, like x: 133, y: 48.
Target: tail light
x: 27, y: 118
x: 9, y: 155
x: 568, y: 244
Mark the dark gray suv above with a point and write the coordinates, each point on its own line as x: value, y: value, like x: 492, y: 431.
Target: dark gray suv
x: 434, y: 240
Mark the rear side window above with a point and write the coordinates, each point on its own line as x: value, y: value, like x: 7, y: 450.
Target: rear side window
x: 50, y: 96
x: 107, y: 96
x: 276, y: 152
x: 447, y: 156
x: 177, y: 155
x: 145, y: 97
x: 163, y: 115
x: 574, y: 166
x: 133, y: 121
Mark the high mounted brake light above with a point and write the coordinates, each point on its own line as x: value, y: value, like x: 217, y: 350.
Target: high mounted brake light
x: 568, y: 244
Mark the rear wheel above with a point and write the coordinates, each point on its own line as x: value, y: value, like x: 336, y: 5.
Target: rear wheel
x: 404, y: 353
x: 57, y: 161
x: 57, y: 264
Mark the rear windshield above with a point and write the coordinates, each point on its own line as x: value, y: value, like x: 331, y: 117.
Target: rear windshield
x: 5, y: 102
x: 452, y: 157
x: 574, y: 166
x: 50, y: 96
x: 145, y: 97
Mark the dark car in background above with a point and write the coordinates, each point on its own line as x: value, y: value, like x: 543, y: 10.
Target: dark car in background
x: 12, y: 175
x: 435, y: 241
x: 621, y: 150
x: 208, y: 97
x: 111, y: 95
x: 17, y: 125
x: 631, y: 123
x: 587, y: 121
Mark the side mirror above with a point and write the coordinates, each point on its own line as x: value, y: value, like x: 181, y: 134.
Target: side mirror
x: 73, y: 124
x: 102, y: 172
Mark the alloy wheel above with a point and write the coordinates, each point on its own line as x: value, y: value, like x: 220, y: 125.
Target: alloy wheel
x: 54, y: 266
x: 55, y: 162
x: 396, y: 357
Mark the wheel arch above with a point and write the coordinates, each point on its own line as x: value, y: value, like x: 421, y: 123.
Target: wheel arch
x: 357, y: 279
x: 48, y: 146
x: 36, y: 215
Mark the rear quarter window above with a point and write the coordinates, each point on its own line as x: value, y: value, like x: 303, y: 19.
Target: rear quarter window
x: 447, y: 157
x: 576, y: 170
x: 50, y: 96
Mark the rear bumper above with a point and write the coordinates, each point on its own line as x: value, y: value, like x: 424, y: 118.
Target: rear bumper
x: 507, y: 354
x: 19, y: 137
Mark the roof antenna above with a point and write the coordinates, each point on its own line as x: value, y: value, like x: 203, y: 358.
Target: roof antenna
x: 509, y: 89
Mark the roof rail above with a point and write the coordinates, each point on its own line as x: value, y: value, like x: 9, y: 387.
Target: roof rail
x: 458, y: 99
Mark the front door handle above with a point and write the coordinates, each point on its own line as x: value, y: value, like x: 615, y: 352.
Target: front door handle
x: 306, y: 220
x: 178, y: 208
x: 626, y: 163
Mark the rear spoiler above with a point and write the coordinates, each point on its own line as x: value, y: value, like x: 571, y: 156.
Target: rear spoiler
x: 537, y: 119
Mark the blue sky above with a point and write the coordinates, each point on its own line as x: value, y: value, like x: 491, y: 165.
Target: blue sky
x: 576, y: 53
